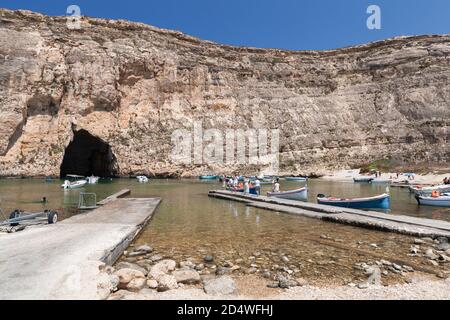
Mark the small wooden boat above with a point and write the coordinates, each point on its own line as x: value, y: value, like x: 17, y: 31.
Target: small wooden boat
x: 208, y: 177
x: 363, y: 179
x: 142, y: 179
x: 426, y: 190
x: 298, y: 194
x: 295, y: 179
x: 377, y: 202
x: 73, y: 185
x: 238, y: 189
x: 440, y: 201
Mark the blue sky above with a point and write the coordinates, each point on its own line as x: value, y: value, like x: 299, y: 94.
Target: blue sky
x: 287, y: 24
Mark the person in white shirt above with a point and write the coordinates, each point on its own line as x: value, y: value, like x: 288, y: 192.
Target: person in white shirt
x: 258, y: 186
x: 246, y: 186
x: 235, y: 181
x: 276, y: 186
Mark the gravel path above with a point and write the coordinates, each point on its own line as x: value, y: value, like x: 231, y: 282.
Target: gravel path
x: 421, y: 289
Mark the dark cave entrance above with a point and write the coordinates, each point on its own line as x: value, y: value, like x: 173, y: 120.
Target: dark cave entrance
x: 88, y: 155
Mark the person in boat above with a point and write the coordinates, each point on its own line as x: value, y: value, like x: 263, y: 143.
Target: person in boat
x: 258, y: 186
x: 276, y: 186
x: 435, y: 194
x: 446, y: 180
x: 235, y: 181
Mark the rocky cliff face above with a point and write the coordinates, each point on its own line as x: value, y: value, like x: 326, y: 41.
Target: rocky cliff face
x: 129, y: 86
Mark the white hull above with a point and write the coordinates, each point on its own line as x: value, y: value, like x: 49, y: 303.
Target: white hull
x: 142, y: 179
x: 363, y: 179
x: 443, y: 201
x: 300, y: 194
x: 428, y: 190
x: 74, y: 185
x: 92, y: 180
x: 381, y: 181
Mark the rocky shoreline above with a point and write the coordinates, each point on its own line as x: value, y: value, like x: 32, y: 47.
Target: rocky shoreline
x: 142, y: 273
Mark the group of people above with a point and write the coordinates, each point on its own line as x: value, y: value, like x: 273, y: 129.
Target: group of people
x: 446, y: 180
x: 246, y: 185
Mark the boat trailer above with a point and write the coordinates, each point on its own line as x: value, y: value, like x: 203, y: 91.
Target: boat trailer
x: 17, y: 217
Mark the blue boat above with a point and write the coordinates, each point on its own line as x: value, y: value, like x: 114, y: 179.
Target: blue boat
x: 252, y: 190
x: 377, y: 202
x: 295, y: 179
x: 207, y: 177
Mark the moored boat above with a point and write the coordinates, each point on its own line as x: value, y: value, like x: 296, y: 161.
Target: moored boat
x: 73, y: 185
x: 208, y: 177
x: 252, y: 190
x: 381, y: 181
x: 363, y: 179
x: 376, y: 202
x: 142, y: 179
x: 439, y: 201
x: 426, y: 190
x: 298, y: 194
x: 295, y: 179
x: 92, y: 179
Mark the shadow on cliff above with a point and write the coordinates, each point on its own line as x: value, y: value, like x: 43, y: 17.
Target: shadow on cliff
x: 88, y: 155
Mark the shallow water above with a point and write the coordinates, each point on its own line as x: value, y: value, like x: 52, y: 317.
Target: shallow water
x: 26, y: 194
x: 189, y: 224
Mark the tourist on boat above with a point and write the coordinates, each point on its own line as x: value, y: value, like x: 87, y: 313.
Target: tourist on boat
x: 235, y: 181
x: 446, y: 180
x: 258, y: 186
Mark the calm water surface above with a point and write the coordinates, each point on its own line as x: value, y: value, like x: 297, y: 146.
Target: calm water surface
x: 188, y: 224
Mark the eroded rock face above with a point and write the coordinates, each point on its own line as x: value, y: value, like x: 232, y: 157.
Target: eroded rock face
x: 131, y: 85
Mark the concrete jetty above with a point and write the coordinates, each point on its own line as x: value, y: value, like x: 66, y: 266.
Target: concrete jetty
x: 62, y: 261
x: 122, y: 193
x: 414, y: 226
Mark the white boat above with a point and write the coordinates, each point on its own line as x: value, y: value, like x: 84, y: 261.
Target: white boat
x: 363, y: 179
x: 440, y: 201
x: 417, y: 189
x: 298, y: 194
x: 142, y: 179
x: 92, y: 179
x: 73, y: 185
x: 381, y: 181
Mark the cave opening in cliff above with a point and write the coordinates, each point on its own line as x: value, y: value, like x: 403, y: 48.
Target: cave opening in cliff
x: 88, y: 155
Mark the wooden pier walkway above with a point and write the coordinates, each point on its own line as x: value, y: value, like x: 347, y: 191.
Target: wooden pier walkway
x: 420, y: 227
x: 61, y: 261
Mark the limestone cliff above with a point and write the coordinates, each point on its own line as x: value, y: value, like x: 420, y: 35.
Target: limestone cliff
x: 130, y: 85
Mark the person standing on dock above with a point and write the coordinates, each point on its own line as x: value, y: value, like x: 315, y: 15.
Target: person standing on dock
x: 276, y: 186
x: 246, y: 186
x: 258, y: 186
